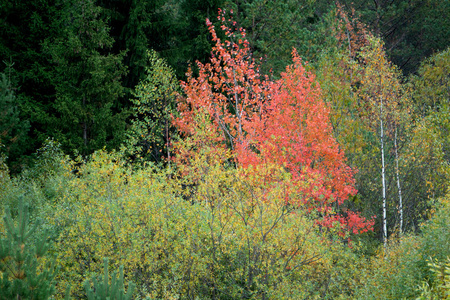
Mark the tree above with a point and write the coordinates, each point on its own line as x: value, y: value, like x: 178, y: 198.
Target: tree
x: 384, y: 99
x: 411, y: 30
x: 275, y: 27
x: 25, y: 25
x: 105, y: 290
x: 13, y: 130
x: 24, y: 273
x: 85, y: 115
x: 354, y: 77
x: 151, y: 130
x: 230, y: 88
x: 431, y: 95
x: 266, y: 122
x: 429, y: 139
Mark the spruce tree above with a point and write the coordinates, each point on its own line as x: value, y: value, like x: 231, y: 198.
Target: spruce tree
x: 13, y: 129
x: 86, y: 114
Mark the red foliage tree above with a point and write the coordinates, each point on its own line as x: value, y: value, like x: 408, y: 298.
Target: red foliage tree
x: 229, y: 88
x: 266, y: 122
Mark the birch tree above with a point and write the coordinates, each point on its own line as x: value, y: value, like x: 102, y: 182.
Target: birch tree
x: 381, y: 90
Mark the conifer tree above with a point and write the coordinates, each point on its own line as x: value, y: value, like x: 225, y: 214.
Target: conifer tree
x: 103, y: 290
x: 13, y: 130
x: 86, y: 114
x: 23, y: 274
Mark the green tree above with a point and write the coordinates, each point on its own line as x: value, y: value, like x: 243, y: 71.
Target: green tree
x: 25, y: 25
x: 411, y: 30
x: 275, y: 27
x: 431, y: 94
x: 139, y: 25
x: 86, y: 114
x: 430, y: 143
x: 24, y: 272
x: 153, y: 107
x: 13, y: 130
x: 176, y: 29
x: 103, y: 290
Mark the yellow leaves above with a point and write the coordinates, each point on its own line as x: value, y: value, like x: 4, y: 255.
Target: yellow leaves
x: 231, y: 221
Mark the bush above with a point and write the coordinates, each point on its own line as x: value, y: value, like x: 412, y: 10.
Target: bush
x: 398, y: 271
x: 232, y: 238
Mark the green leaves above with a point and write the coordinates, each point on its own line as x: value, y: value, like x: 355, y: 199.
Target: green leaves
x: 151, y: 132
x: 13, y: 129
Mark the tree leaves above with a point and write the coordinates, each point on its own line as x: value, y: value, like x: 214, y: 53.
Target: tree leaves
x: 266, y: 122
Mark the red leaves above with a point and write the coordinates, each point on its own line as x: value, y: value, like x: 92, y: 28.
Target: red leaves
x: 283, y: 122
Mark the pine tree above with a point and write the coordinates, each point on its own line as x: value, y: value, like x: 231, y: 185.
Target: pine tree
x: 108, y: 291
x: 23, y: 273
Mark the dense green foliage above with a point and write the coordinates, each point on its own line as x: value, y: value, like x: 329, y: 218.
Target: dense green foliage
x: 77, y: 62
x: 151, y: 130
x: 103, y: 289
x: 93, y: 96
x: 12, y: 129
x: 24, y: 272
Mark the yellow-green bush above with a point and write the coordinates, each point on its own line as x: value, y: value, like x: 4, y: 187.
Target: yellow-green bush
x: 403, y: 270
x: 234, y: 237
x: 440, y: 288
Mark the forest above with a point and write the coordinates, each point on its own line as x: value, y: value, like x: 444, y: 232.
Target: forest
x: 224, y: 149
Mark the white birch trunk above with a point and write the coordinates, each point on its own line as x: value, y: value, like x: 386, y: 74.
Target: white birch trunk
x: 400, y: 201
x: 383, y: 174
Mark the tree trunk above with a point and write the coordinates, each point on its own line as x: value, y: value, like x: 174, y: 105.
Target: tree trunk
x: 383, y: 174
x: 400, y: 201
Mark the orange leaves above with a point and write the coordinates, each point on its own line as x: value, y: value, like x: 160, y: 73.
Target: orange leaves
x: 295, y: 132
x: 270, y: 123
x: 228, y: 88
x: 353, y: 33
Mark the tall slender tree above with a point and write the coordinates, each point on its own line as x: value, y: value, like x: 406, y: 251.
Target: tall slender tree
x: 13, y: 130
x: 89, y: 83
x: 151, y: 130
x: 381, y: 91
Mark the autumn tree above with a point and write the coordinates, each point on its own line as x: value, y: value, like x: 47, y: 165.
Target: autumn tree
x: 357, y: 77
x: 264, y: 122
x: 431, y: 94
x: 381, y: 94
